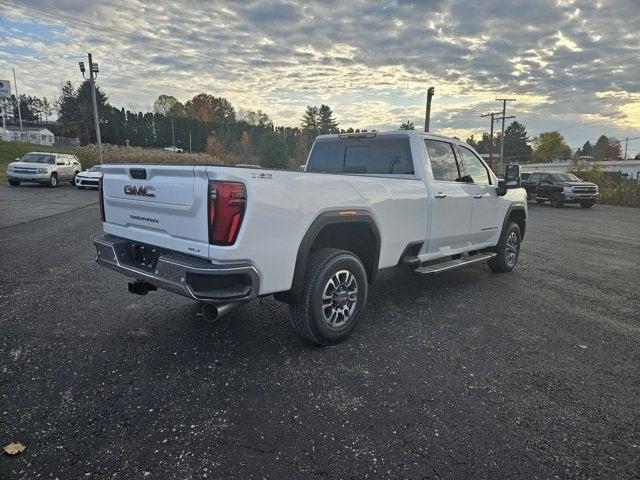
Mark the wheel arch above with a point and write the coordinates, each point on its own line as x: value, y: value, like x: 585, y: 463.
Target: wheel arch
x: 354, y: 230
x: 516, y: 213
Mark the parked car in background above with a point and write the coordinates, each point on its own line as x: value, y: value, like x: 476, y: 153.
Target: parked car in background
x: 173, y: 148
x: 560, y: 188
x: 315, y: 239
x: 44, y: 167
x: 89, y: 178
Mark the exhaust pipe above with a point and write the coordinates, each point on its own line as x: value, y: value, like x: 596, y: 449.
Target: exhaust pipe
x: 213, y: 312
x: 141, y: 288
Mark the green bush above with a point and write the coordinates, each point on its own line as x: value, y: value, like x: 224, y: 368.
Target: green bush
x: 614, y: 188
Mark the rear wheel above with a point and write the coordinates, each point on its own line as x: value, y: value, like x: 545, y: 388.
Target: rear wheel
x: 557, y: 201
x: 14, y: 183
x: 587, y: 204
x: 53, y: 181
x: 333, y: 297
x: 508, y: 249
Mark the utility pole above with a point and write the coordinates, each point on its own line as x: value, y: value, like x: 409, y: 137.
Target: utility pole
x: 93, y: 73
x: 626, y: 143
x: 173, y: 135
x: 427, y: 113
x: 492, y: 147
x: 18, y: 100
x: 189, y: 141
x: 504, y: 112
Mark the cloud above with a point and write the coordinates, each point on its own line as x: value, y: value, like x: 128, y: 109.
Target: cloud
x: 565, y: 61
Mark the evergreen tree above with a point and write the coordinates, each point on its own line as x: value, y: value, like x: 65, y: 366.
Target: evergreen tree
x: 326, y: 122
x: 408, y: 125
x: 311, y: 120
x: 273, y: 151
x: 516, y: 142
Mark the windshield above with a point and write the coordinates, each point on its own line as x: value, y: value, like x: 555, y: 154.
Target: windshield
x: 38, y: 158
x: 95, y: 168
x: 567, y: 177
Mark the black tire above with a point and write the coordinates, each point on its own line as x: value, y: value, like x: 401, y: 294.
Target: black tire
x: 73, y: 180
x: 502, y: 262
x: 14, y: 183
x: 586, y: 204
x: 557, y: 201
x: 53, y: 181
x: 540, y: 201
x: 80, y: 187
x: 308, y: 318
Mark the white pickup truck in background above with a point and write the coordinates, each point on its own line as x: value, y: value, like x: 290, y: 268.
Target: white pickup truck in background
x: 316, y: 238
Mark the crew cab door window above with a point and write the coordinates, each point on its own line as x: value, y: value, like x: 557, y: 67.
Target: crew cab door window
x: 443, y: 161
x: 474, y: 169
x: 326, y: 157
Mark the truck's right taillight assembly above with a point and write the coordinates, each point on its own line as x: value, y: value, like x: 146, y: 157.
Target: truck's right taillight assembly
x: 101, y: 196
x: 227, y: 202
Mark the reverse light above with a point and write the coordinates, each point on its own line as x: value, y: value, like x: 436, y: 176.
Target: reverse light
x: 227, y: 201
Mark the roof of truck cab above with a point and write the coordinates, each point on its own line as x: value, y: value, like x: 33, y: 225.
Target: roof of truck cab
x: 408, y: 133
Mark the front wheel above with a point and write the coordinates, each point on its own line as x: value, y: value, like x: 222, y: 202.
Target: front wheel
x: 53, y: 181
x: 508, y: 249
x: 557, y: 201
x: 14, y: 183
x: 587, y: 204
x: 73, y: 180
x: 333, y: 297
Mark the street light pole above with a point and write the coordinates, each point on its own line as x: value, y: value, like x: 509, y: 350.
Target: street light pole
x: 93, y: 72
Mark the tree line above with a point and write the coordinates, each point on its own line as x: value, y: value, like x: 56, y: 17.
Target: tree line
x: 545, y: 147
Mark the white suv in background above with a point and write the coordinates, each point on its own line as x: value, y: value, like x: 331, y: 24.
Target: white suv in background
x: 44, y: 167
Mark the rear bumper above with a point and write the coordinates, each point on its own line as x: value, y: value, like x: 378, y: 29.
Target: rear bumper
x: 185, y: 275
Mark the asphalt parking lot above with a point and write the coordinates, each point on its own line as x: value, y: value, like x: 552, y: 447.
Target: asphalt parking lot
x: 469, y: 374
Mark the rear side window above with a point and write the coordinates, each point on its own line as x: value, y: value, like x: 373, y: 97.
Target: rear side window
x: 377, y: 156
x: 443, y: 160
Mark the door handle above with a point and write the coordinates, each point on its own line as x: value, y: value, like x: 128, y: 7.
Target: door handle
x: 477, y: 195
x: 439, y: 195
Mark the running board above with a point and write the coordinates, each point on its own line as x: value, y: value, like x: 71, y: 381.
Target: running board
x: 451, y: 264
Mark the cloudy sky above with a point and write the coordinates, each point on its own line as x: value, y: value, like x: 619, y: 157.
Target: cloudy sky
x: 572, y: 65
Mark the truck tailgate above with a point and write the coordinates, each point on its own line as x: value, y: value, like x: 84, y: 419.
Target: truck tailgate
x: 162, y: 205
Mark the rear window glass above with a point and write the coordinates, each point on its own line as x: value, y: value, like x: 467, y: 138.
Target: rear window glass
x: 326, y: 157
x: 378, y: 156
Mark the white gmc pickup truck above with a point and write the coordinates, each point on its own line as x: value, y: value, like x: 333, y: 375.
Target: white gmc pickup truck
x: 315, y: 238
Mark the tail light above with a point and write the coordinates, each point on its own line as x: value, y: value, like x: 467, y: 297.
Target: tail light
x: 101, y: 195
x: 227, y: 201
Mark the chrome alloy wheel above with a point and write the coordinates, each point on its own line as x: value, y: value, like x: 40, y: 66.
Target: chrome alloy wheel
x: 339, y: 298
x: 511, y: 248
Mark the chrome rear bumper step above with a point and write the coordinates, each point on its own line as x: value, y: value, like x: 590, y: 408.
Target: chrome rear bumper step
x: 451, y: 264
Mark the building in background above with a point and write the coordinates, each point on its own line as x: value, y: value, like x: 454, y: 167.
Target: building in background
x: 36, y: 135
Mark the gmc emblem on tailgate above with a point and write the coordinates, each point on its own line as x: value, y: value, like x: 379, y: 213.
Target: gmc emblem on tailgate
x: 139, y: 190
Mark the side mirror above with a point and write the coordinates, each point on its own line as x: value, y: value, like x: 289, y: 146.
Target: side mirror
x: 17, y: 159
x: 501, y: 189
x: 302, y: 168
x: 512, y: 176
